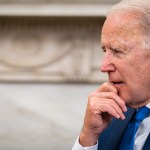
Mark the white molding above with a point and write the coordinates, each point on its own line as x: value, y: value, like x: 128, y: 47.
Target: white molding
x: 55, y: 10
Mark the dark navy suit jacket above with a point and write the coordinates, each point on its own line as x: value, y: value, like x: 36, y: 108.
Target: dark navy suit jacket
x: 111, y: 137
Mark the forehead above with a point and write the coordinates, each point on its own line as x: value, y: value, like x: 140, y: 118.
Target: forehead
x: 121, y: 26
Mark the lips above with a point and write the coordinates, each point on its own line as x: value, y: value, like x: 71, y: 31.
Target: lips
x: 117, y: 82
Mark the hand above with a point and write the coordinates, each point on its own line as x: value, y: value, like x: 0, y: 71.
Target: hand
x: 102, y: 106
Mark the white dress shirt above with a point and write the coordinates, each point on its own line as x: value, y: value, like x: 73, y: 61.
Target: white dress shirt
x: 140, y: 137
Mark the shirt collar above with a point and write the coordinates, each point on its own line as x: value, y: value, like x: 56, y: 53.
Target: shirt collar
x: 148, y: 105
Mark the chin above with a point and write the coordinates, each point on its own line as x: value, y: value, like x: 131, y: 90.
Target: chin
x: 131, y: 102
x: 125, y: 97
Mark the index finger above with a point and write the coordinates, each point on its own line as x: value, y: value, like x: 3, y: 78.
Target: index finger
x: 107, y: 87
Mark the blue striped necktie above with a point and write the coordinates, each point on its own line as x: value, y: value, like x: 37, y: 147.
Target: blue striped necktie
x: 127, y: 142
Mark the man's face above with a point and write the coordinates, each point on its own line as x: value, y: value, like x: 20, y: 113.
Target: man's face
x: 126, y: 61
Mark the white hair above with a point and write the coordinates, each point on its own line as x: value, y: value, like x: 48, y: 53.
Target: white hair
x: 141, y: 9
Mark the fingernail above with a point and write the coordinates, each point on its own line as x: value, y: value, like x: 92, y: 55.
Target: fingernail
x: 123, y: 117
x: 125, y: 108
x: 118, y: 116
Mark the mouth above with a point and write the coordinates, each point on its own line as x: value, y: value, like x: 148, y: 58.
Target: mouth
x: 115, y: 83
x: 118, y: 84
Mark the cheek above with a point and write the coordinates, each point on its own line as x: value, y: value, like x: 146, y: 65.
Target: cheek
x: 139, y: 74
x: 137, y: 87
x: 134, y: 70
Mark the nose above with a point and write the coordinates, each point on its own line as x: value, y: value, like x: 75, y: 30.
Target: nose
x: 107, y: 64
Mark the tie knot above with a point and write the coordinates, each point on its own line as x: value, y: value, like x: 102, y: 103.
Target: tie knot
x: 142, y: 113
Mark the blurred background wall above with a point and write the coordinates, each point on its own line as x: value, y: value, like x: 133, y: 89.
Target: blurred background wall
x: 49, y: 62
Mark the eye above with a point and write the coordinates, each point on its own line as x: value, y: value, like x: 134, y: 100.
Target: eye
x: 116, y: 52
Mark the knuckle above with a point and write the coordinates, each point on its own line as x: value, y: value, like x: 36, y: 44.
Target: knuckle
x: 92, y: 108
x: 91, y: 95
x: 91, y: 101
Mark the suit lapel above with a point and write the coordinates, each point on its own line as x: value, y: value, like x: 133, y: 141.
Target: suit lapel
x: 147, y: 143
x: 110, y: 138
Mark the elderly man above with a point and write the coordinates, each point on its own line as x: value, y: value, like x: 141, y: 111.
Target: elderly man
x: 118, y: 112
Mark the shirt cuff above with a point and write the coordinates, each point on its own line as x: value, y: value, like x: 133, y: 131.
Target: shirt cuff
x: 78, y: 146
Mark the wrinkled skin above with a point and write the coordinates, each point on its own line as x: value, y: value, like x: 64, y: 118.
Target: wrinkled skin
x: 127, y: 64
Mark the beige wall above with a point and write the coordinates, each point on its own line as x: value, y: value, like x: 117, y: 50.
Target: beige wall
x: 35, y: 49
